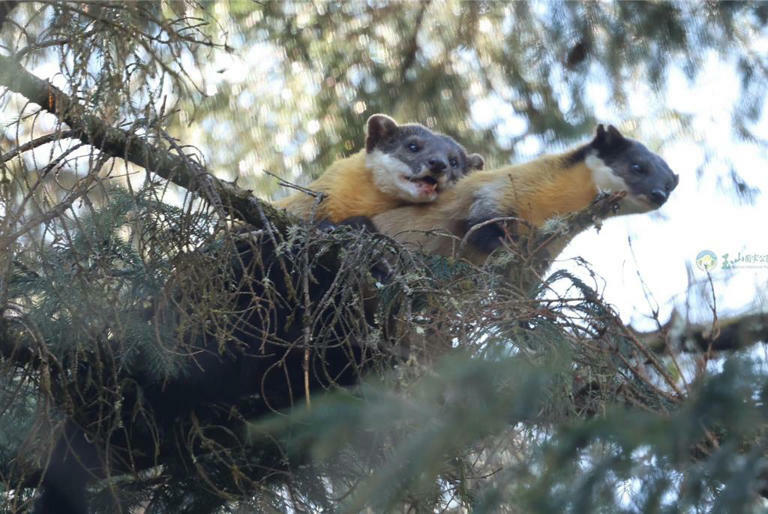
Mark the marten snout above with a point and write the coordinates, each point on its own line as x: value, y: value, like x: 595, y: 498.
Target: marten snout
x: 658, y: 196
x: 437, y: 166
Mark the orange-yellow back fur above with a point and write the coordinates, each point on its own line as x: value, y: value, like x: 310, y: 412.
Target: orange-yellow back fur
x: 538, y: 190
x: 535, y: 192
x: 349, y: 189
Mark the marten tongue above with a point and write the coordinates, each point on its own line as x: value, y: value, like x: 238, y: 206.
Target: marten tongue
x: 427, y: 187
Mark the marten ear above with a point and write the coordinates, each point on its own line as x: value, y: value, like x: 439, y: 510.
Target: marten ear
x: 380, y: 127
x: 608, y: 138
x: 475, y: 161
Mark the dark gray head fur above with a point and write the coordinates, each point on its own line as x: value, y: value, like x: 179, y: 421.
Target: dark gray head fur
x: 423, y: 151
x: 644, y: 172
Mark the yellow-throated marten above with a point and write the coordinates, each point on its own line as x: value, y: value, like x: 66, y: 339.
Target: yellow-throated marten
x: 530, y: 194
x: 400, y: 165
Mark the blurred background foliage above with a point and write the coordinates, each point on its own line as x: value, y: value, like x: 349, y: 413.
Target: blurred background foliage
x: 566, y: 420
x: 287, y: 86
x: 495, y: 76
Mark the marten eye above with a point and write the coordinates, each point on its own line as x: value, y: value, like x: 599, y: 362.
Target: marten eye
x: 413, y: 147
x: 637, y: 168
x: 453, y: 162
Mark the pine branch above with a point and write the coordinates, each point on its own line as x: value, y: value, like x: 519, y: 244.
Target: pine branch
x: 120, y: 143
x: 31, y: 145
x: 725, y: 335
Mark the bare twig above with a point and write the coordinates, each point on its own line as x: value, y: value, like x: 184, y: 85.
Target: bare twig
x: 40, y: 141
x: 50, y: 214
x: 284, y: 183
x: 46, y: 44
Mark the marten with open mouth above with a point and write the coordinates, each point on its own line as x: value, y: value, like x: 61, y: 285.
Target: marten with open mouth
x: 400, y: 165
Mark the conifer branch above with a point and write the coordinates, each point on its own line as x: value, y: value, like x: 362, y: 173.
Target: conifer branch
x: 35, y: 143
x: 120, y: 143
x: 726, y: 335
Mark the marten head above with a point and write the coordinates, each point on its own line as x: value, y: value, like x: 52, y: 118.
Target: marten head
x: 622, y: 164
x: 412, y: 163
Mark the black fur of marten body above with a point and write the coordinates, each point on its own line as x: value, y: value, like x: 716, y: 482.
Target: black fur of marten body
x: 259, y: 369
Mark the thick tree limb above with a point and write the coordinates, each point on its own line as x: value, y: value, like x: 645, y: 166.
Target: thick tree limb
x: 120, y: 143
x: 726, y: 335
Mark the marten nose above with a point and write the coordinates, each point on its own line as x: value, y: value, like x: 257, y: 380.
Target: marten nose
x: 436, y: 166
x: 658, y: 196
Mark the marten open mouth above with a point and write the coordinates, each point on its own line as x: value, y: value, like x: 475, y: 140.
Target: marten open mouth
x: 432, y: 181
x: 427, y: 185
